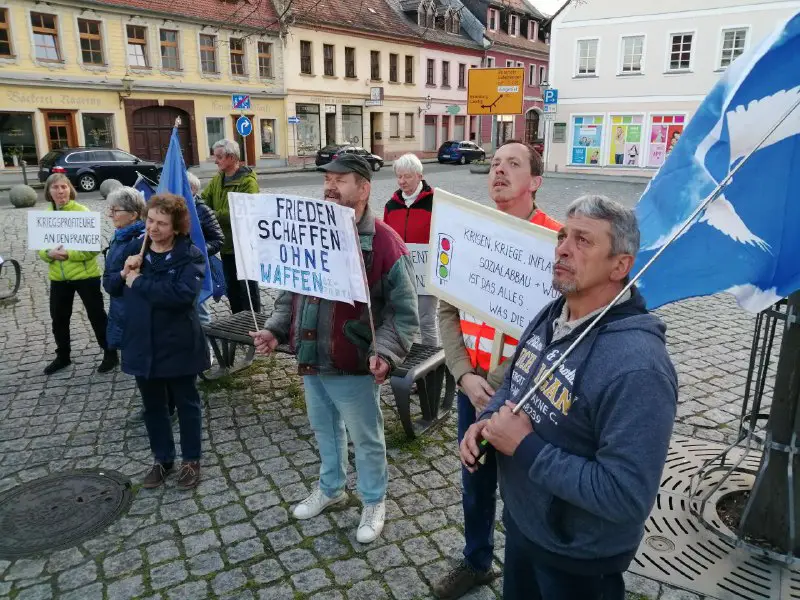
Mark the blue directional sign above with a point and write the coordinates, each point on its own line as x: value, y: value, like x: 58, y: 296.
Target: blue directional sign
x: 240, y: 101
x: 551, y: 96
x: 294, y: 120
x: 244, y: 126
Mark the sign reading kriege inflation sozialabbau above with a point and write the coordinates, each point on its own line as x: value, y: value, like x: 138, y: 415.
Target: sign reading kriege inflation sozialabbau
x: 490, y: 264
x: 74, y: 230
x: 301, y: 245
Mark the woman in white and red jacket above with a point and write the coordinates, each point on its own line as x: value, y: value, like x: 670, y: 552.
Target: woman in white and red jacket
x: 409, y: 214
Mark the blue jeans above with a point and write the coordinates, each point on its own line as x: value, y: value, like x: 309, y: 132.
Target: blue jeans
x: 526, y: 578
x: 478, y: 497
x: 156, y: 395
x: 339, y: 405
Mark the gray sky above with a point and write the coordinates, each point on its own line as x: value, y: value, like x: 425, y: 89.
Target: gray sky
x: 548, y: 7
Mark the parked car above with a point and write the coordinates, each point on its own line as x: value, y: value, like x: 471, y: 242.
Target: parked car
x: 332, y: 152
x: 460, y: 152
x: 87, y: 168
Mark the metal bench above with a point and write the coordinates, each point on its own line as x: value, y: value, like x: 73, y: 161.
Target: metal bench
x: 13, y: 289
x: 435, y: 388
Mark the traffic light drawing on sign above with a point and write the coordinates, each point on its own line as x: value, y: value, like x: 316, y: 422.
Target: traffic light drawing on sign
x: 444, y: 257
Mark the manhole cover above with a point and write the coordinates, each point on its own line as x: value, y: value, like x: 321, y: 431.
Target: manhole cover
x: 59, y: 511
x: 659, y: 543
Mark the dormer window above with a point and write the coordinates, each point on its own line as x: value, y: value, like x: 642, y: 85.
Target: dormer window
x: 492, y: 19
x: 513, y: 25
x: 533, y: 30
x: 453, y: 22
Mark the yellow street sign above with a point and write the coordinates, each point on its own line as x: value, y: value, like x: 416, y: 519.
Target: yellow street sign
x: 495, y: 91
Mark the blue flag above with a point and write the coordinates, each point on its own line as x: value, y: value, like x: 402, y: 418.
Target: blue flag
x: 174, y: 180
x: 144, y: 185
x: 747, y: 241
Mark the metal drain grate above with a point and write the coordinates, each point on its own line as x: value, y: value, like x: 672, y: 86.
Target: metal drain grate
x: 678, y: 550
x: 60, y: 511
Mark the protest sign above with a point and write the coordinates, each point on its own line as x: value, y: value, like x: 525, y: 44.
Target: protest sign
x: 73, y: 230
x: 496, y: 267
x: 298, y: 244
x: 419, y: 257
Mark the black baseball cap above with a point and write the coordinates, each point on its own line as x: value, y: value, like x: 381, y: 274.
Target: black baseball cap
x: 349, y: 163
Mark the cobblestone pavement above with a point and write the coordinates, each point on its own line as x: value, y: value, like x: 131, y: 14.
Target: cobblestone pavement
x: 233, y: 537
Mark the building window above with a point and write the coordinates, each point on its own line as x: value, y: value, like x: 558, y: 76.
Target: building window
x: 665, y: 131
x: 409, y: 69
x: 492, y: 19
x: 531, y: 74
x: 733, y: 44
x: 587, y: 57
x: 542, y: 75
x: 327, y: 57
x: 489, y: 62
x: 509, y: 64
x: 265, y: 60
x: 17, y: 141
x: 520, y: 65
x: 409, y: 125
x: 393, y: 68
x: 454, y: 22
x: 445, y: 74
x: 533, y: 30
x: 45, y: 37
x: 137, y: 46
x: 632, y: 54
x: 98, y: 130
x: 208, y: 53
x: 308, y: 129
x: 430, y: 78
x: 394, y: 125
x: 587, y: 140
x: 513, y: 25
x: 627, y: 141
x: 350, y: 62
x: 268, y: 136
x: 352, y: 124
x: 375, y: 65
x: 169, y: 50
x: 305, y: 58
x: 214, y: 132
x: 5, y: 34
x: 680, y: 53
x: 91, y: 42
x: 238, y: 61
x: 462, y: 76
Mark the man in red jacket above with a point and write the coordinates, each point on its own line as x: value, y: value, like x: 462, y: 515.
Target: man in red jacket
x: 409, y: 214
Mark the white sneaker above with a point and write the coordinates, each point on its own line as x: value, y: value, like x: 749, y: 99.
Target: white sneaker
x: 315, y: 504
x: 371, y: 525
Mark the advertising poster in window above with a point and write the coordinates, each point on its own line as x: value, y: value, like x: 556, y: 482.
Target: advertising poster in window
x: 665, y: 131
x: 587, y: 138
x: 626, y: 140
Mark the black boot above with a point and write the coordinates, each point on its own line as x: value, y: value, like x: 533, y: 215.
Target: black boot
x: 59, y: 363
x: 110, y: 360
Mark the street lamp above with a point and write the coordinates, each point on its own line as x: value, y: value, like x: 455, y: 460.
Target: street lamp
x: 127, y: 89
x: 421, y: 110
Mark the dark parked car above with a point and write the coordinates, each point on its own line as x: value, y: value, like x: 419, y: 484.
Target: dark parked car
x: 460, y: 152
x: 87, y: 168
x: 329, y: 153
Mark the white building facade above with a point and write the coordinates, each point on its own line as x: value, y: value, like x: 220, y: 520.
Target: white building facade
x: 630, y: 75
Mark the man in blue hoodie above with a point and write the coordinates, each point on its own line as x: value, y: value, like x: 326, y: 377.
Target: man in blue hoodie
x: 580, y: 465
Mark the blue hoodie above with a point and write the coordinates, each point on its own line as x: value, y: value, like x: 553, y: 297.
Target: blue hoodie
x: 581, y: 486
x: 115, y: 261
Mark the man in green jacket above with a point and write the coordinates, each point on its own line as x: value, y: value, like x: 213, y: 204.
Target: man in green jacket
x: 232, y: 177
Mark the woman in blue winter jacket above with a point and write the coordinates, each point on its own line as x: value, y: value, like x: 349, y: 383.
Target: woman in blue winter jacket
x: 163, y: 344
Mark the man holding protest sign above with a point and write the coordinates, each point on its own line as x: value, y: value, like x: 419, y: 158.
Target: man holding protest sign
x: 515, y: 176
x: 580, y: 464
x: 342, y: 365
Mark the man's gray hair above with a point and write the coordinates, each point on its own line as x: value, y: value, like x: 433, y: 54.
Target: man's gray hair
x: 129, y: 199
x: 624, y: 228
x: 194, y: 182
x: 408, y: 162
x: 230, y: 148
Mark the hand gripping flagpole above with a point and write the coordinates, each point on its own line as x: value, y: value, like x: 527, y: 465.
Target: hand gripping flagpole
x: 483, y: 446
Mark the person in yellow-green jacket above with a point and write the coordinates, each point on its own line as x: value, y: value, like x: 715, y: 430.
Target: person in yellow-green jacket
x: 73, y: 271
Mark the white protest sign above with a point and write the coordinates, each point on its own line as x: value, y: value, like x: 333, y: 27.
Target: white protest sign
x: 419, y: 257
x: 72, y: 229
x: 298, y: 244
x: 494, y: 266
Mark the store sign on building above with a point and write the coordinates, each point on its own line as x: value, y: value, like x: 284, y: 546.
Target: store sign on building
x: 330, y: 109
x: 453, y: 109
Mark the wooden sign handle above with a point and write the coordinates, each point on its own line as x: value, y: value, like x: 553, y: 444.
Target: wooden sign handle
x: 497, y: 349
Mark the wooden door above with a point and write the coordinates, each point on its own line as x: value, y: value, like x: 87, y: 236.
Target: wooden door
x: 60, y: 127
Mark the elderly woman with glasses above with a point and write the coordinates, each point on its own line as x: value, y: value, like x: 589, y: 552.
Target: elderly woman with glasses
x: 408, y: 212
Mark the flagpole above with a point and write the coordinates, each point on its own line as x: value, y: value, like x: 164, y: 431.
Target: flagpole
x: 484, y: 445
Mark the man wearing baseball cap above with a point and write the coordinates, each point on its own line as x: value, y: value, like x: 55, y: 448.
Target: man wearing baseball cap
x: 342, y: 366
